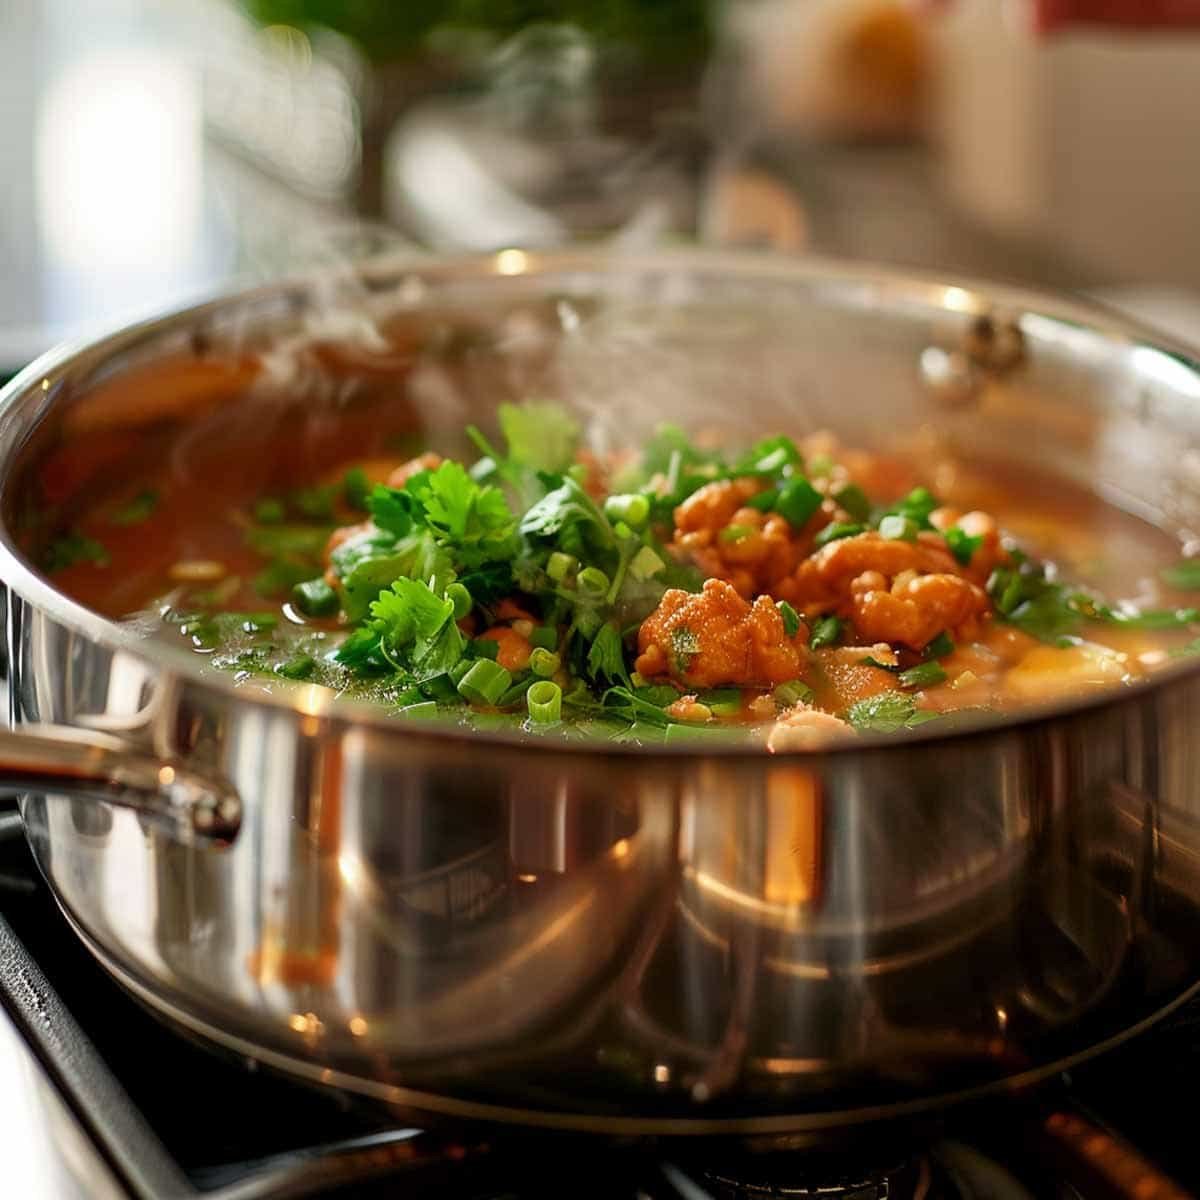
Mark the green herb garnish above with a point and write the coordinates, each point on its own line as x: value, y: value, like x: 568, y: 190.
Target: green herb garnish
x: 916, y: 506
x: 684, y: 646
x: 797, y: 502
x: 74, y: 548
x: 837, y: 531
x: 825, y: 632
x: 854, y: 500
x: 940, y: 646
x: 791, y: 618
x: 137, y: 510
x: 926, y: 674
x: 888, y: 712
x: 962, y: 545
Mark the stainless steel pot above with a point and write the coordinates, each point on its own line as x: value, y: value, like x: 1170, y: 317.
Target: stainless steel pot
x: 597, y: 937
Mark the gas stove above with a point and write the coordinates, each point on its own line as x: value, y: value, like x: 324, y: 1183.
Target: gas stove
x: 100, y: 1099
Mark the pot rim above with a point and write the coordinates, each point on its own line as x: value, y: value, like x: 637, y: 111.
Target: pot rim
x: 932, y: 290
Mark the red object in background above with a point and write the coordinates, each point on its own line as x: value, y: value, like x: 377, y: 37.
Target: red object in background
x: 1052, y: 15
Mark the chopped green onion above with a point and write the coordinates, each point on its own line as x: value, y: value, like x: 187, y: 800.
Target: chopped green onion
x: 837, y: 531
x: 796, y: 691
x: 544, y: 701
x: 764, y: 501
x: 545, y: 637
x: 298, y: 667
x: 917, y: 506
x: 485, y: 648
x: 791, y: 618
x: 854, y: 500
x: 421, y: 710
x: 820, y: 465
x: 484, y: 683
x: 825, y: 633
x: 940, y: 646
x: 896, y: 528
x: 315, y: 598
x: 923, y: 675
x: 962, y: 545
x: 798, y: 500
x: 633, y: 509
x: 593, y: 581
x: 560, y: 566
x: 722, y: 702
x: 269, y: 511
x: 544, y: 662
x: 461, y: 599
x: 645, y: 564
x: 734, y: 533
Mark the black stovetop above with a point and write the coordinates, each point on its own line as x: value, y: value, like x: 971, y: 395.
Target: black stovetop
x: 174, y: 1118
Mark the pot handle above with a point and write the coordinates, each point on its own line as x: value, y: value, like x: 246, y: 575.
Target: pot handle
x: 81, y: 762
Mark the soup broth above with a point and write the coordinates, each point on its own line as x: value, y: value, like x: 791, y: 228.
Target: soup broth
x: 790, y: 590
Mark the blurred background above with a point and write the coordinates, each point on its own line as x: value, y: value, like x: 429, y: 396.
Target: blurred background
x: 154, y: 150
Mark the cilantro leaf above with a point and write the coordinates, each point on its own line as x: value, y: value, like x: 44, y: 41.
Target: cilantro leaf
x: 411, y: 628
x: 685, y: 645
x: 1049, y: 610
x: 1025, y: 598
x: 888, y: 712
x: 621, y: 702
x: 962, y: 545
x: 543, y: 437
x: 488, y: 582
x: 566, y: 505
x: 474, y: 522
x: 391, y: 509
x: 606, y: 658
x: 369, y: 562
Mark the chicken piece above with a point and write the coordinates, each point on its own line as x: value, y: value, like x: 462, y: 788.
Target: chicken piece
x: 712, y: 507
x: 917, y: 610
x: 894, y: 591
x: 716, y: 637
x: 727, y: 539
x: 803, y: 728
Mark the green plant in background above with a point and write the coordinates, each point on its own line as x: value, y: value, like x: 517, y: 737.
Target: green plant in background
x: 387, y: 30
